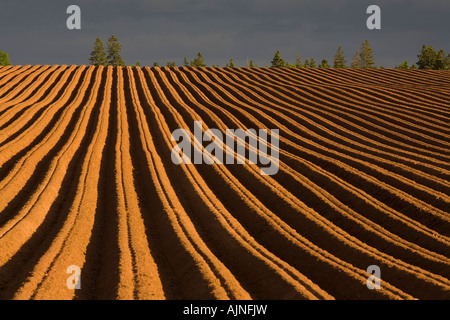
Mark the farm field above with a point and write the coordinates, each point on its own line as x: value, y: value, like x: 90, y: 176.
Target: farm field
x: 86, y: 179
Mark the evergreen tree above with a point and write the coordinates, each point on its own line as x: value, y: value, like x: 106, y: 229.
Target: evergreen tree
x: 312, y: 64
x: 441, y: 61
x: 199, y: 61
x: 252, y: 65
x: 324, y: 64
x: 427, y: 58
x: 186, y: 62
x: 356, y: 60
x: 156, y: 64
x: 307, y: 64
x: 339, y: 59
x: 114, y: 48
x: 138, y: 64
x: 4, y: 59
x: 403, y: 65
x: 448, y: 62
x: 98, y: 55
x: 277, y: 62
x: 298, y: 61
x: 171, y: 64
x: 231, y: 64
x: 366, y: 55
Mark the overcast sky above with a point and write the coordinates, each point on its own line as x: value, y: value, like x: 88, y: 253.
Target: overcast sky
x: 35, y: 32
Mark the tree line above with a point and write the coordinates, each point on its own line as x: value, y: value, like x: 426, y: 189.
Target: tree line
x: 363, y: 58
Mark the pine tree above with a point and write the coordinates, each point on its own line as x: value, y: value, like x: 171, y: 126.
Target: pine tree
x: 339, y: 59
x: 441, y: 61
x: 366, y: 55
x: 171, y: 64
x: 277, y: 62
x: 186, y: 62
x: 98, y: 55
x: 298, y: 61
x: 403, y: 65
x: 324, y: 64
x: 356, y: 60
x: 252, y: 65
x: 312, y: 64
x: 4, y: 59
x: 138, y: 64
x: 307, y: 64
x: 199, y: 61
x: 113, y: 49
x: 231, y: 64
x: 156, y: 64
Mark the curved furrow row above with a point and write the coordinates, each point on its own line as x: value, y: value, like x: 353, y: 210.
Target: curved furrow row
x: 23, y: 168
x: 69, y: 246
x: 14, y: 80
x: 89, y: 180
x: 313, y: 121
x: 19, y: 228
x: 315, y: 114
x: 26, y: 127
x: 10, y: 73
x: 26, y: 88
x: 138, y: 272
x: 290, y: 281
x: 377, y: 204
x: 375, y: 101
x: 41, y: 93
x: 221, y: 283
x: 259, y: 207
x: 49, y: 276
x: 278, y: 99
x: 367, y: 166
x: 279, y: 187
x: 210, y: 112
x: 418, y: 99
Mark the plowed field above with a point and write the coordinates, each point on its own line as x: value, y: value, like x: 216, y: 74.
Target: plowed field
x: 86, y: 179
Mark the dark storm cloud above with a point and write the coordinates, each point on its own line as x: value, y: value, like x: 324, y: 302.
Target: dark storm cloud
x: 34, y: 32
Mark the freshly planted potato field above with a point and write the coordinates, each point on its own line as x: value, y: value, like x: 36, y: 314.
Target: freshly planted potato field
x: 87, y: 179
